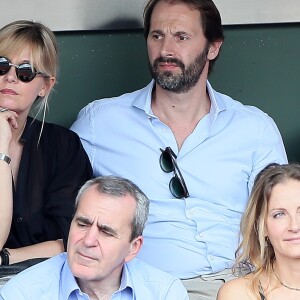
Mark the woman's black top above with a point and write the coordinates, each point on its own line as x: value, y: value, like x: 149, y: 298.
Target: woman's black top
x: 51, y: 172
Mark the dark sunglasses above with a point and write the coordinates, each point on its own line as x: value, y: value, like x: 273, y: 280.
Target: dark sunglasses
x: 168, y: 164
x: 25, y: 71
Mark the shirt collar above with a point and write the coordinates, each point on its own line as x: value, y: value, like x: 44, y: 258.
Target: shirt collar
x: 126, y: 280
x: 139, y: 101
x: 126, y: 286
x: 217, y: 103
x: 68, y: 282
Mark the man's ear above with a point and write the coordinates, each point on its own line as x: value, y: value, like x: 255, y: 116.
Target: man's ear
x: 134, y: 249
x: 214, y: 49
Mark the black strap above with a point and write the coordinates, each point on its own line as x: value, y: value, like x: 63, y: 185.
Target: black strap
x: 4, y: 254
x: 13, y: 269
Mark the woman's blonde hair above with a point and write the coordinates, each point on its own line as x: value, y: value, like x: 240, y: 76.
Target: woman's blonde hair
x: 16, y: 36
x: 255, y: 250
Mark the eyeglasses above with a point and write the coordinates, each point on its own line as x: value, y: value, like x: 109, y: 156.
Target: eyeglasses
x: 25, y: 71
x: 168, y: 164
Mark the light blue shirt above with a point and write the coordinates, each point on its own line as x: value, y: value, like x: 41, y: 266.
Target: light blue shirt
x: 53, y: 280
x: 218, y: 160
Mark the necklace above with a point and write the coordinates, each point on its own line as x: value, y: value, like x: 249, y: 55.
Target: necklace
x: 286, y: 286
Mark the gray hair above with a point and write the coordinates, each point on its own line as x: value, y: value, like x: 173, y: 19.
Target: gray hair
x: 118, y: 187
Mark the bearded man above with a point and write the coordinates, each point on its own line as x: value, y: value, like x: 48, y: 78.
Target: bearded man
x: 193, y: 151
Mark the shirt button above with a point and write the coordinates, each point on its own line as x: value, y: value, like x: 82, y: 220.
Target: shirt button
x: 199, y: 237
x: 19, y: 219
x: 189, y: 215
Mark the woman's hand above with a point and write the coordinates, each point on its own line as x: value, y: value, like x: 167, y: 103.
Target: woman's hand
x: 8, y: 120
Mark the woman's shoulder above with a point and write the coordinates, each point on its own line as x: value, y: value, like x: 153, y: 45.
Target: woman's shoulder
x: 58, y: 128
x: 59, y: 133
x: 235, y: 289
x: 36, y: 126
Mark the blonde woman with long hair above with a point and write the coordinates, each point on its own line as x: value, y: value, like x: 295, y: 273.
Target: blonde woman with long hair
x: 42, y: 165
x: 270, y: 233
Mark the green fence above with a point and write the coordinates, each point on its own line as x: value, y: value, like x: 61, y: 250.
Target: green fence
x: 259, y: 65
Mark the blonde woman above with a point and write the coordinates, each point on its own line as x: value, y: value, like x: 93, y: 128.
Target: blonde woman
x: 270, y: 246
x: 42, y: 165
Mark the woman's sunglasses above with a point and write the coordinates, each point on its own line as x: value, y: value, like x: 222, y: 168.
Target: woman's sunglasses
x: 25, y: 71
x: 168, y: 164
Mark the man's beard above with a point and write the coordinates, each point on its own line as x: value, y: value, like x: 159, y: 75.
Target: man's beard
x: 179, y: 83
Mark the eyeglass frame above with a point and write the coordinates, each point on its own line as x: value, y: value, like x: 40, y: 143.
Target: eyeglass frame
x: 176, y: 170
x: 10, y: 64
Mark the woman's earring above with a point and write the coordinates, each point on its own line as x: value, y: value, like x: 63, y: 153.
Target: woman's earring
x: 266, y: 241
